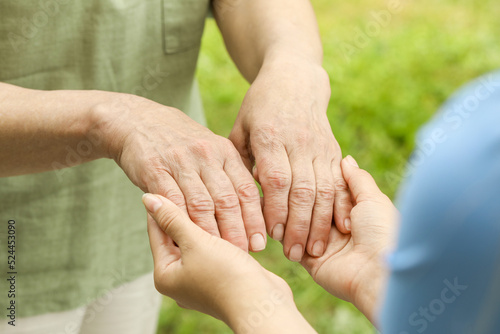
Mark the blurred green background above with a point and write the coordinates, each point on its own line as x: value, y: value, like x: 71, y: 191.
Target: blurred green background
x: 385, y: 85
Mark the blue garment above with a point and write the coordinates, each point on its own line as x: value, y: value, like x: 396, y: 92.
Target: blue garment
x: 445, y: 271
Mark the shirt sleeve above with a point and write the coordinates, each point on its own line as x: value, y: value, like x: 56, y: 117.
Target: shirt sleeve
x: 445, y: 271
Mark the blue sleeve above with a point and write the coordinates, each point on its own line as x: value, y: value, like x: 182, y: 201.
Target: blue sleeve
x: 445, y: 271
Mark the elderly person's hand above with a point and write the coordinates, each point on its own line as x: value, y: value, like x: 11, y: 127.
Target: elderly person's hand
x: 163, y: 151
x: 210, y: 275
x: 283, y: 129
x: 352, y: 267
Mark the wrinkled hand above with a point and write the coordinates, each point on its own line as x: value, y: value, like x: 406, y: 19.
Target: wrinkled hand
x: 163, y: 151
x: 282, y: 127
x: 210, y: 275
x: 352, y: 266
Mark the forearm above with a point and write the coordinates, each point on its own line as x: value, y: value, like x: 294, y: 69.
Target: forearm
x: 261, y: 31
x: 46, y: 130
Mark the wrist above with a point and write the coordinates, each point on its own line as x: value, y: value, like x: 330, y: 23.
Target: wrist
x: 111, y: 122
x: 367, y: 288
x: 296, y: 64
x: 269, y: 314
x: 263, y: 306
x: 288, y: 51
x: 300, y: 76
x: 78, y: 123
x: 249, y: 294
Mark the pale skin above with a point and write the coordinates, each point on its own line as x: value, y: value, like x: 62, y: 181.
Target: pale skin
x: 214, y: 277
x: 159, y: 148
x: 282, y: 131
x: 281, y: 135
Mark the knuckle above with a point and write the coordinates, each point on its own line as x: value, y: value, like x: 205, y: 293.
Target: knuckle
x: 227, y: 145
x: 247, y: 191
x: 325, y: 148
x: 275, y: 212
x: 203, y: 148
x: 175, y: 197
x: 153, y: 160
x: 340, y: 184
x: 206, y: 226
x: 334, y: 147
x: 304, y: 192
x: 303, y: 137
x: 201, y: 204
x: 343, y: 202
x: 325, y: 191
x: 278, y: 180
x: 226, y: 202
x: 337, y: 148
x: 152, y: 168
x: 268, y: 137
x: 146, y: 180
x: 265, y: 134
x: 232, y: 153
x: 234, y: 233
x: 176, y: 156
x: 324, y: 223
x: 301, y: 227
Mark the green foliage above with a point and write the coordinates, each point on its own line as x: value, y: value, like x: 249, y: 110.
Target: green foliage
x: 381, y: 94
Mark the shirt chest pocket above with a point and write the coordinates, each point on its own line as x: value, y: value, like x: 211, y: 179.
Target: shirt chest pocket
x: 183, y: 23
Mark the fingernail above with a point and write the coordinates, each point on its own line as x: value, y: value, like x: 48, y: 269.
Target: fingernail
x: 151, y: 202
x: 278, y: 232
x: 351, y: 161
x: 347, y: 224
x: 295, y: 254
x: 257, y: 242
x: 318, y: 248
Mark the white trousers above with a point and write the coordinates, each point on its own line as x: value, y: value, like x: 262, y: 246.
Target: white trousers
x: 129, y: 309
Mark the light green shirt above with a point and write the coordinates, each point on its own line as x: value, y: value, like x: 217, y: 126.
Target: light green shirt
x: 82, y: 231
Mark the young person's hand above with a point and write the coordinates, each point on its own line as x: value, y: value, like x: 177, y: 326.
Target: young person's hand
x: 352, y: 267
x: 210, y: 275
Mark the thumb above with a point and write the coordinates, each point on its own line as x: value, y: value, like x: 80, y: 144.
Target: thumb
x: 171, y: 219
x: 360, y: 182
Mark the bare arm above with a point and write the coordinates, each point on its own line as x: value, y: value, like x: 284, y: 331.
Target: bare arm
x: 38, y: 129
x: 261, y: 31
x: 160, y: 149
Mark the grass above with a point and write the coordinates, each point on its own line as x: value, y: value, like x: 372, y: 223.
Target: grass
x: 381, y: 95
